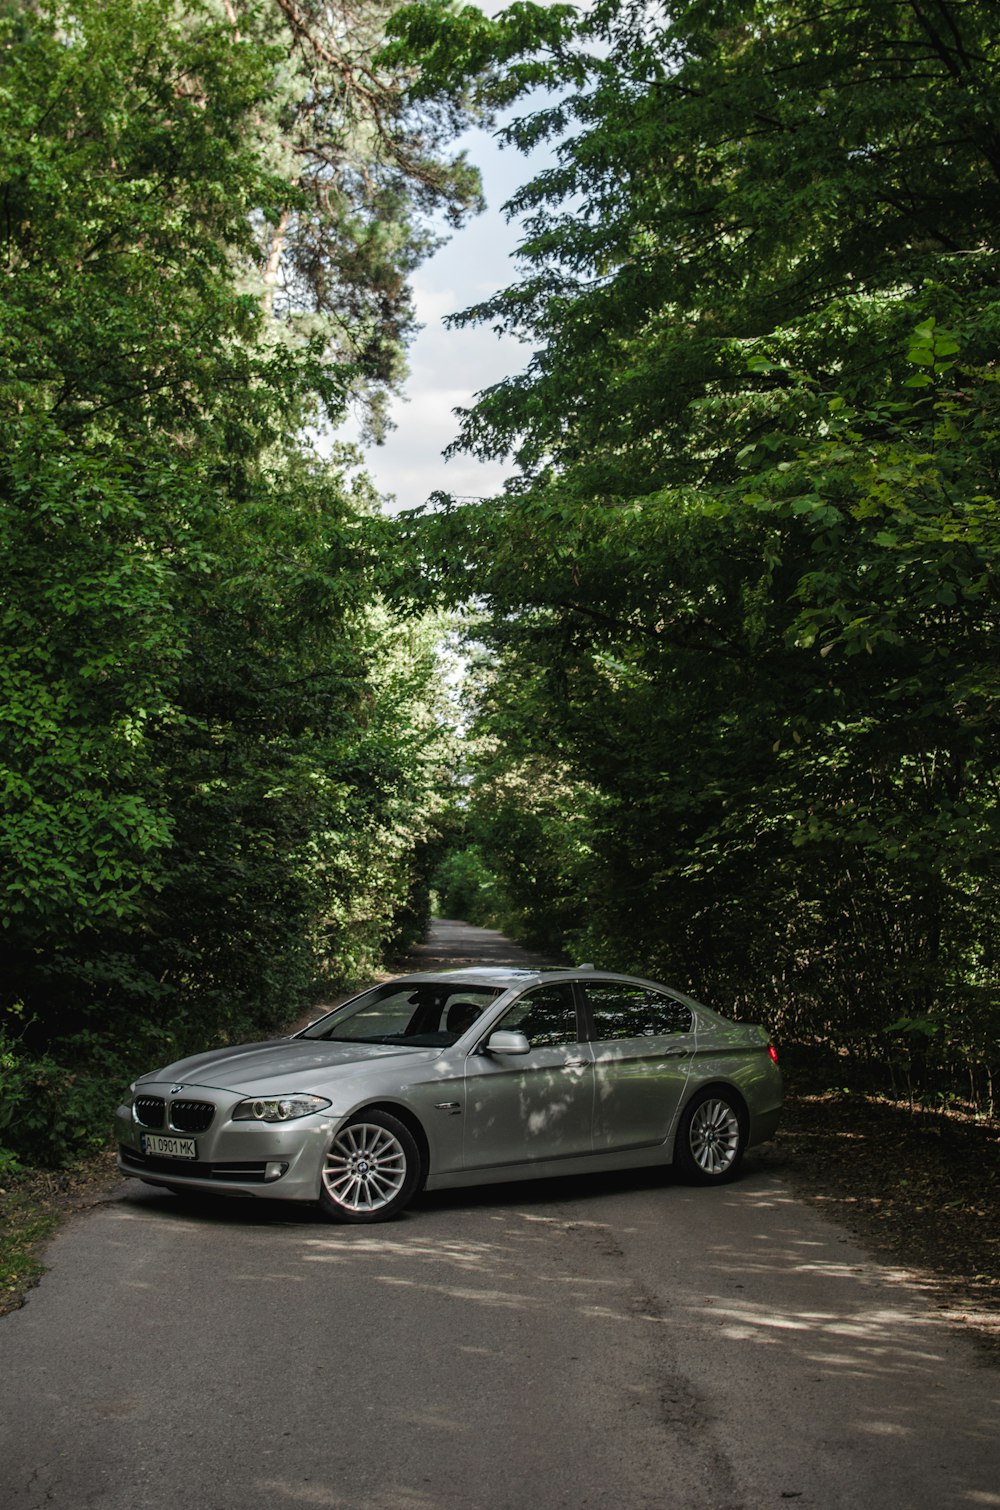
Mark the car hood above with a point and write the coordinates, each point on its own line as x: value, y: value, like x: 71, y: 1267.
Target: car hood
x: 284, y: 1064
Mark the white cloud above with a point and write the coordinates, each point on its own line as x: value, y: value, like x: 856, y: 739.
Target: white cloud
x: 448, y: 367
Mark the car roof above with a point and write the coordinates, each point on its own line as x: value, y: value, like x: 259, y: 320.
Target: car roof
x: 491, y: 975
x: 515, y: 977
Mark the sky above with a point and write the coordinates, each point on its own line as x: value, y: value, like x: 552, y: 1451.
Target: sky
x: 447, y: 367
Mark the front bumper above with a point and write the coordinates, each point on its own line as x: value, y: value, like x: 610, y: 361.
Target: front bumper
x: 280, y: 1161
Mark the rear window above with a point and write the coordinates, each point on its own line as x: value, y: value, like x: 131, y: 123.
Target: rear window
x: 623, y: 1011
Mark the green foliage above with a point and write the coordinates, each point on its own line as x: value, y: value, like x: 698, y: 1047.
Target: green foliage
x: 466, y: 887
x: 362, y: 153
x: 219, y: 754
x: 492, y: 59
x: 56, y: 1106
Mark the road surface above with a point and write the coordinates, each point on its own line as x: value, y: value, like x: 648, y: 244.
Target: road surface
x: 619, y: 1342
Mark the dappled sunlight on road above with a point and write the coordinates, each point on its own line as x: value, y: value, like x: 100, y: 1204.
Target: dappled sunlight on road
x: 739, y: 1288
x: 614, y: 1335
x: 795, y: 1290
x: 877, y: 1331
x: 392, y: 1496
x: 483, y: 1297
x: 440, y: 1262
x: 353, y: 1245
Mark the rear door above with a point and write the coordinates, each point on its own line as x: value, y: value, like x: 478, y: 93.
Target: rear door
x: 643, y: 1044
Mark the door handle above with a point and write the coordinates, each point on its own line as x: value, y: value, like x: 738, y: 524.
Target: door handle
x: 676, y: 1054
x: 576, y: 1064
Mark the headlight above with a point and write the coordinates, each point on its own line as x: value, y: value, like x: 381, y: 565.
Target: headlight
x: 278, y: 1108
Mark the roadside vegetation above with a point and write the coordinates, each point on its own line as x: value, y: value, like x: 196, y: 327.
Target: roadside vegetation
x: 730, y: 712
x: 734, y: 714
x: 220, y: 750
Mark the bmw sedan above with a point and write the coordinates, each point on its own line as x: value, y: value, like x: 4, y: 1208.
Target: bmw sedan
x: 460, y: 1077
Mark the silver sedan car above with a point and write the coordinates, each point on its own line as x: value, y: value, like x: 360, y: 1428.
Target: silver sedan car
x: 460, y: 1077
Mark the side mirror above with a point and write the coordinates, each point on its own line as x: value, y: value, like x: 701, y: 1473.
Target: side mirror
x: 505, y: 1042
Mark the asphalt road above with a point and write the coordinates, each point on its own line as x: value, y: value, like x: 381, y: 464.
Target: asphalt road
x: 615, y: 1342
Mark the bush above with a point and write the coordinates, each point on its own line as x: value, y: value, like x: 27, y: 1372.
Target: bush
x: 56, y: 1107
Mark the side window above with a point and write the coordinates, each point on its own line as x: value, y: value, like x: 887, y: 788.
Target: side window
x: 622, y: 1011
x: 546, y: 1016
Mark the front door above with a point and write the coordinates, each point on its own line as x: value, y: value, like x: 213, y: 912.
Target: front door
x: 520, y: 1109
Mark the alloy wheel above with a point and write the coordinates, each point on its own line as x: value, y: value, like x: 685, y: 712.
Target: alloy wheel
x: 365, y: 1169
x: 714, y: 1136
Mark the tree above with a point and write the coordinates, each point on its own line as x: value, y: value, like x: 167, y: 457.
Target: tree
x: 364, y: 173
x: 215, y: 796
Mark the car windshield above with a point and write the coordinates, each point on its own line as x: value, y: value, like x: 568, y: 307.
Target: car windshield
x: 424, y: 1015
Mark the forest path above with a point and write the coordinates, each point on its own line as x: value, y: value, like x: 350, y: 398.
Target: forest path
x: 450, y: 944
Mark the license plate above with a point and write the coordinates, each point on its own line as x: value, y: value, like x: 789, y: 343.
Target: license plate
x: 169, y: 1148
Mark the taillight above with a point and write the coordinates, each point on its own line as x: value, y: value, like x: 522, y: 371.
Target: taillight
x: 772, y: 1053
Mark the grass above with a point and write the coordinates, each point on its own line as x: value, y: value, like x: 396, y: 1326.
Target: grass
x: 32, y: 1207
x: 25, y: 1227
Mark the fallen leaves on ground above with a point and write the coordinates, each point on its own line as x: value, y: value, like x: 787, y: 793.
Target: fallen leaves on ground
x: 919, y: 1188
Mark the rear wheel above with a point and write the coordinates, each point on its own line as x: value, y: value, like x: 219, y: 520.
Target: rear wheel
x: 711, y: 1138
x: 371, y: 1170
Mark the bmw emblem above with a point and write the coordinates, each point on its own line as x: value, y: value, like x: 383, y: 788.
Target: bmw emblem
x: 175, y: 1088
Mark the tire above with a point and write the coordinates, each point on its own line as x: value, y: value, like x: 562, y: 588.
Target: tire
x: 371, y: 1170
x: 711, y: 1138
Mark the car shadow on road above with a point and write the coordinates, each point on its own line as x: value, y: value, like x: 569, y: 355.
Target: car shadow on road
x: 256, y: 1211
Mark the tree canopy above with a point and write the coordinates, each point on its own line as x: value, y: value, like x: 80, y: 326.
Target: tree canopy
x: 739, y: 721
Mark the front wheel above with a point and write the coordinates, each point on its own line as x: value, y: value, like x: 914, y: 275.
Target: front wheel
x: 371, y: 1169
x: 711, y: 1138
